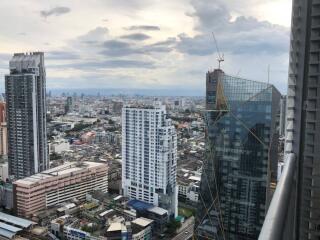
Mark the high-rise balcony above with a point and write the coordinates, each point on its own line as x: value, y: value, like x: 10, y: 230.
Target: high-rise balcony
x: 279, y: 222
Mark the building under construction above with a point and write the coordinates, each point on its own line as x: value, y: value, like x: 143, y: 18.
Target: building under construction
x: 240, y: 161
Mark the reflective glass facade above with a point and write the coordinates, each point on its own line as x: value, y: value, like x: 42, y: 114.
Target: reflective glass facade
x: 241, y: 157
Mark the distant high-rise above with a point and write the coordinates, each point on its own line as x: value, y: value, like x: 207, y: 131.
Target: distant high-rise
x: 240, y: 161
x: 282, y: 115
x: 3, y: 112
x: 26, y: 115
x: 3, y: 130
x: 69, y: 105
x: 303, y: 115
x: 149, y: 156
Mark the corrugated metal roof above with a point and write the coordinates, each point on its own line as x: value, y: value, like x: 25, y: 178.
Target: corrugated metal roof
x: 9, y: 227
x: 6, y: 233
x: 139, y: 205
x: 15, y: 220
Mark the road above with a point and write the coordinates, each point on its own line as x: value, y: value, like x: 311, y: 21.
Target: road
x: 186, y: 233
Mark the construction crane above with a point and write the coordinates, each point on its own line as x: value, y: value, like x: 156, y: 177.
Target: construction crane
x: 220, y: 57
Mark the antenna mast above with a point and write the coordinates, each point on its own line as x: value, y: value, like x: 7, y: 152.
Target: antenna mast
x: 220, y: 57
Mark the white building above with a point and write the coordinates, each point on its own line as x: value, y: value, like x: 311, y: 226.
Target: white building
x: 4, y: 174
x: 149, y: 153
x: 59, y: 145
x: 189, y: 188
x: 141, y: 229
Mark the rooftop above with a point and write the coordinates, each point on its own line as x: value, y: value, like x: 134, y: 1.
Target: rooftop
x: 67, y: 168
x: 158, y: 210
x: 115, y: 227
x: 143, y: 222
x: 16, y: 221
x: 139, y: 205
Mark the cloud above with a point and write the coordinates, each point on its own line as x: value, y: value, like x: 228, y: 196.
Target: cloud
x: 94, y: 36
x: 56, y: 11
x: 61, y: 55
x: 136, y: 36
x: 117, y: 48
x: 120, y: 63
x: 143, y: 27
x: 242, y: 35
x: 170, y: 41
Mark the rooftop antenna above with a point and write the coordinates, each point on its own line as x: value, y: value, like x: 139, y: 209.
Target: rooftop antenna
x: 220, y: 57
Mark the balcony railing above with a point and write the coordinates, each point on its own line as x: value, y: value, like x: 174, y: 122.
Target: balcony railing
x: 279, y: 222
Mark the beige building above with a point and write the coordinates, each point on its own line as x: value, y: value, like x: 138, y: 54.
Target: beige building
x: 3, y: 139
x: 3, y: 130
x: 58, y: 185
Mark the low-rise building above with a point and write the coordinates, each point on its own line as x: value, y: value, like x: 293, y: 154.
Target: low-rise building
x: 59, y: 145
x: 58, y: 185
x: 12, y: 227
x: 4, y: 171
x: 159, y: 215
x: 188, y: 185
x: 141, y: 229
x: 67, y: 227
x: 6, y: 196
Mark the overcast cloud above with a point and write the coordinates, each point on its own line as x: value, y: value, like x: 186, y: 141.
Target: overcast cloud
x: 146, y: 44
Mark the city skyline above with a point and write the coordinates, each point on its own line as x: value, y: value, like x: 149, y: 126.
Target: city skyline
x: 150, y: 119
x: 123, y: 44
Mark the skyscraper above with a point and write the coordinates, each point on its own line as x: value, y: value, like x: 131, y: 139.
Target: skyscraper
x: 26, y: 114
x: 3, y: 130
x: 241, y: 157
x: 149, y: 156
x: 68, y: 106
x: 303, y: 128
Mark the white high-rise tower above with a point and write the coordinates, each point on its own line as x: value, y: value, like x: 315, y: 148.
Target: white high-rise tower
x: 149, y: 156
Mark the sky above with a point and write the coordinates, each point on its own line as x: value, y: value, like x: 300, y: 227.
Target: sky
x: 146, y: 44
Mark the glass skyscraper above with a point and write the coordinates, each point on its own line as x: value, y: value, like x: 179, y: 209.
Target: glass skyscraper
x: 240, y: 162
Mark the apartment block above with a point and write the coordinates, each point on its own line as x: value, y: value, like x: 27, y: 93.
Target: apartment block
x: 26, y: 115
x: 149, y: 156
x: 58, y: 185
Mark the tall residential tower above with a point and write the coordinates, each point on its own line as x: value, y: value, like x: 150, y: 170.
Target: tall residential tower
x: 149, y: 156
x: 303, y: 118
x: 26, y: 115
x: 240, y: 161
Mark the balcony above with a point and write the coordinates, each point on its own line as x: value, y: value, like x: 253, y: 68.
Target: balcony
x: 279, y: 222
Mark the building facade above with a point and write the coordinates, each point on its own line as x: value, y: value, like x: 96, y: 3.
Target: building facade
x: 58, y: 185
x: 3, y: 139
x: 69, y: 105
x: 240, y: 161
x: 26, y: 115
x: 149, y: 156
x: 283, y: 115
x: 302, y: 127
x: 3, y: 129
